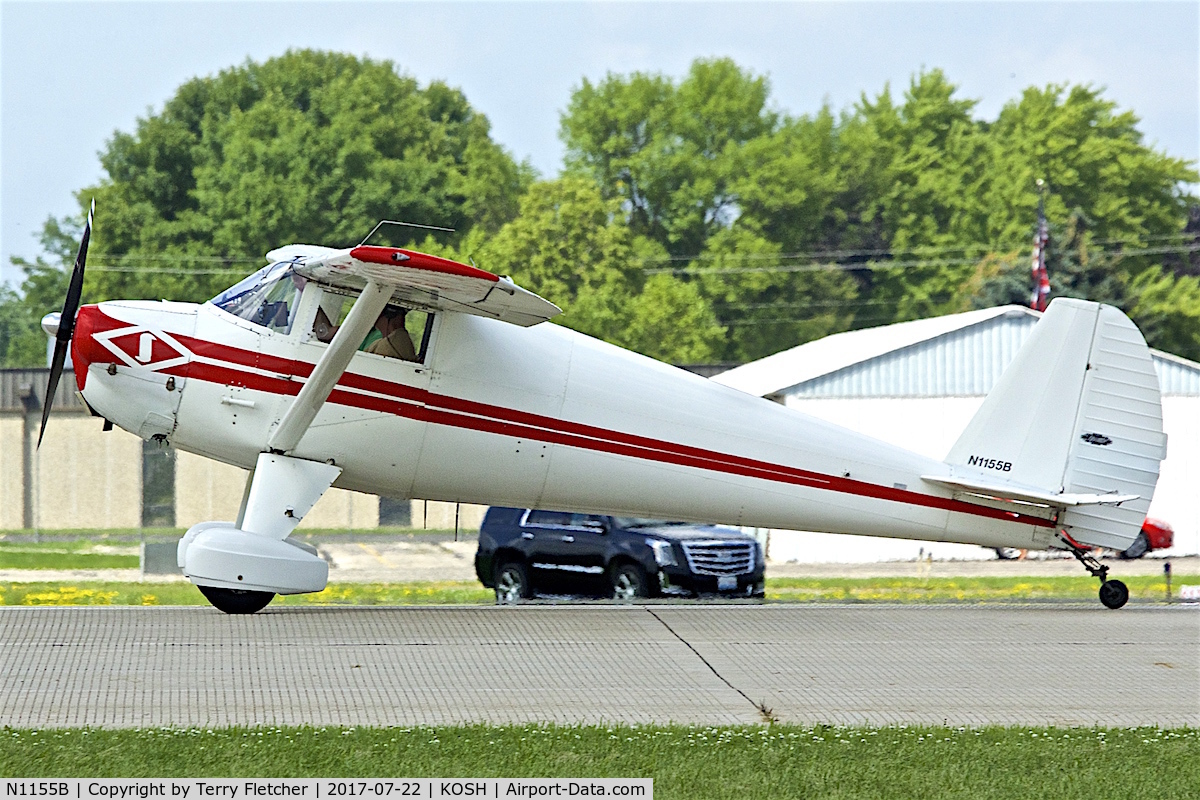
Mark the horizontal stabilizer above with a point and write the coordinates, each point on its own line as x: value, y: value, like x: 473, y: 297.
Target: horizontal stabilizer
x: 1028, y: 494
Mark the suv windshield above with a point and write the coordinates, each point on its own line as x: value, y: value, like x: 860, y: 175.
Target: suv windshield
x: 643, y: 522
x: 268, y: 297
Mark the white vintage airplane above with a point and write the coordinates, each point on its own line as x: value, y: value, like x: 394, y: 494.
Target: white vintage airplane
x: 499, y: 407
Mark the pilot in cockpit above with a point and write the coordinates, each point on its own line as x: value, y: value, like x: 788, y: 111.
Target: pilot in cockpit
x: 395, y: 341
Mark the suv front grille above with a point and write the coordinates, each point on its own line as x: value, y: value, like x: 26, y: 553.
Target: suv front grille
x: 719, y: 558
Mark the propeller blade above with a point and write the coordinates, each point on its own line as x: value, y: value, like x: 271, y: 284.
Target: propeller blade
x: 66, y: 322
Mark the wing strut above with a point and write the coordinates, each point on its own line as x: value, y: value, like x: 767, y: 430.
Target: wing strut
x: 329, y: 369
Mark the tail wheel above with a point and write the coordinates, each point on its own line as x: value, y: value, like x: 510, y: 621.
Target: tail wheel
x: 629, y: 582
x: 236, y: 601
x: 512, y: 582
x: 1114, y: 594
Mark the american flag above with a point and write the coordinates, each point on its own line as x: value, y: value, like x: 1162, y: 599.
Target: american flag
x: 1041, y: 279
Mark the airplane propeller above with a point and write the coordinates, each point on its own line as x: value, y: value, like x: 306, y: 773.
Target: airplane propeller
x: 61, y: 326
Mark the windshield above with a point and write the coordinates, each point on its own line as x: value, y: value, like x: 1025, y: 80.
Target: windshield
x: 269, y: 297
x: 643, y: 522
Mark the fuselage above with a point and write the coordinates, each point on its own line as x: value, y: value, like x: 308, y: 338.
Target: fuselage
x: 539, y: 417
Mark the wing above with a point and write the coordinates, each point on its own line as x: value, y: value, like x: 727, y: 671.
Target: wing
x: 419, y: 280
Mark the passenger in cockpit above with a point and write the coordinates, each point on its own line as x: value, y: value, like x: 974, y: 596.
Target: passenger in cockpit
x: 396, y: 343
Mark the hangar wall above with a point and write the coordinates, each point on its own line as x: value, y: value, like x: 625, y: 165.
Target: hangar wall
x: 207, y: 489
x: 12, y: 487
x: 85, y: 480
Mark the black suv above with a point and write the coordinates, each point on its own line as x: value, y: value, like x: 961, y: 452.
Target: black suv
x: 525, y: 551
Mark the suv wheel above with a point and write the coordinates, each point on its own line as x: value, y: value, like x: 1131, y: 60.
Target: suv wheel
x: 512, y: 582
x: 629, y: 582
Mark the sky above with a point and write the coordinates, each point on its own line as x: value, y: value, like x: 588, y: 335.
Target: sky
x: 71, y: 74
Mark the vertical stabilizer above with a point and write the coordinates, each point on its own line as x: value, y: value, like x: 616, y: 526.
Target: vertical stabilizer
x: 1079, y: 412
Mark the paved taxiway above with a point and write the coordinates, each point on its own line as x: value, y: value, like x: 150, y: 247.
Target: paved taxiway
x: 703, y: 664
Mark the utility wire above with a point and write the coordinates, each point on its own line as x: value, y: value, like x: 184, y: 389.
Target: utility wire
x: 813, y: 304
x: 834, y: 264
x: 892, y: 252
x: 164, y: 270
x: 1098, y: 253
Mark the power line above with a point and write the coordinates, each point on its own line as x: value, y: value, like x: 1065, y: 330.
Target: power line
x: 1155, y: 238
x: 830, y: 254
x: 892, y: 252
x: 165, y: 270
x: 186, y: 257
x: 902, y: 264
x: 745, y: 323
x: 813, y: 304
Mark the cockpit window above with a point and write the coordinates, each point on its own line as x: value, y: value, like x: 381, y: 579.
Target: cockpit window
x: 269, y: 297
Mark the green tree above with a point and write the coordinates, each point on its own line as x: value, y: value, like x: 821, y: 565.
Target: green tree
x: 693, y: 220
x: 307, y: 147
x: 724, y: 186
x: 768, y: 302
x: 951, y: 200
x: 22, y: 340
x: 1167, y: 309
x: 668, y: 151
x: 1092, y: 157
x: 929, y: 157
x: 574, y: 248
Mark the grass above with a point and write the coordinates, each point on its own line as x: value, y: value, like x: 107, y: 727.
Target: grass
x: 127, y: 534
x: 63, y: 555
x: 962, y: 590
x: 1147, y: 588
x: 777, y: 761
x: 180, y: 593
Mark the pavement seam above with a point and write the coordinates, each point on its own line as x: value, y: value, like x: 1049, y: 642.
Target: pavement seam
x: 763, y: 711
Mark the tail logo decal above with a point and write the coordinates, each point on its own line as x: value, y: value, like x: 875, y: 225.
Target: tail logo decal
x: 1096, y: 438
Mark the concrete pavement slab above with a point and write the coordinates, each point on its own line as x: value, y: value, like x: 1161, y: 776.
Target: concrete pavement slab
x: 705, y: 664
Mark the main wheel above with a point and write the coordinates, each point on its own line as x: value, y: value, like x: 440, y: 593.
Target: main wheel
x: 1114, y: 594
x: 236, y: 601
x: 629, y: 582
x: 1139, y: 548
x: 512, y: 582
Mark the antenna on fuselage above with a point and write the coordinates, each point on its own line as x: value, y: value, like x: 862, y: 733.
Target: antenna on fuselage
x: 383, y: 222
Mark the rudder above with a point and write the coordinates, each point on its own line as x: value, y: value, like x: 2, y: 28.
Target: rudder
x: 1077, y: 412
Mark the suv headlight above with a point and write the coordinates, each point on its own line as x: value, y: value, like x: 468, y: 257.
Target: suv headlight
x: 664, y: 554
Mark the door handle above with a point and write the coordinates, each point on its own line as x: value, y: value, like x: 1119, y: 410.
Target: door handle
x: 526, y: 535
x: 568, y: 538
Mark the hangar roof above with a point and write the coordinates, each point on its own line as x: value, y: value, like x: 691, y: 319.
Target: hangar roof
x: 953, y: 355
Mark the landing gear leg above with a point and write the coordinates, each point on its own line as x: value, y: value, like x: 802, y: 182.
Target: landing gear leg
x: 1113, y: 593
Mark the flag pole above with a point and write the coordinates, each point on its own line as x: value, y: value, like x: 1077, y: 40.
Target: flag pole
x: 1041, y: 279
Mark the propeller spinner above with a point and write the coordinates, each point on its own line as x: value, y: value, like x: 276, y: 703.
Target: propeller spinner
x: 61, y: 326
